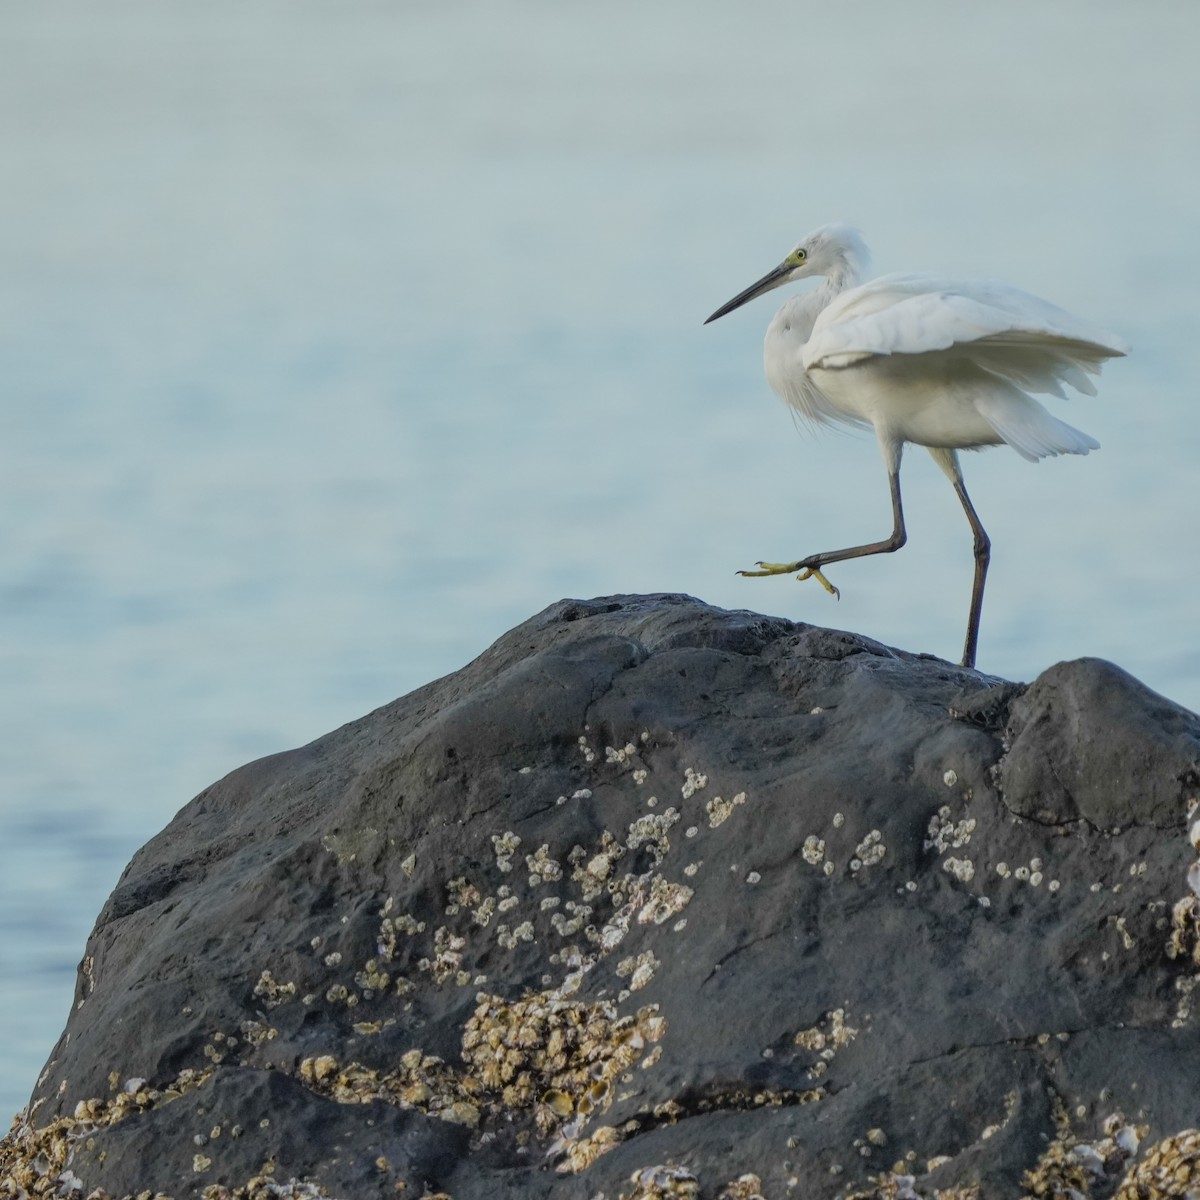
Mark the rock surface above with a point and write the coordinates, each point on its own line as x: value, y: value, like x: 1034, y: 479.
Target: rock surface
x: 656, y: 899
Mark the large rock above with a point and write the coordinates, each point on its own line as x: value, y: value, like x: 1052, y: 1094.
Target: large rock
x: 653, y: 893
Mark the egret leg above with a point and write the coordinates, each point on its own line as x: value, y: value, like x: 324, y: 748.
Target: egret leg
x: 811, y: 566
x: 983, y: 555
x: 948, y: 461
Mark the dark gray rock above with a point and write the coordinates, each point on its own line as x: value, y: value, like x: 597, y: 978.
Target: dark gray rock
x: 653, y: 889
x: 1089, y: 742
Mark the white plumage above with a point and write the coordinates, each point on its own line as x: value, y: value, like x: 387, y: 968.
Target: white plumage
x: 943, y: 363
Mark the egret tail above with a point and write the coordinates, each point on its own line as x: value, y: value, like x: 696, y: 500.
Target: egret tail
x: 1029, y: 428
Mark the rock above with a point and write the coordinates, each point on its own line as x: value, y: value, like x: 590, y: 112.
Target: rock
x: 1089, y: 742
x: 654, y: 899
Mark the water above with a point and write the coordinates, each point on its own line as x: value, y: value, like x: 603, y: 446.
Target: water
x: 336, y: 341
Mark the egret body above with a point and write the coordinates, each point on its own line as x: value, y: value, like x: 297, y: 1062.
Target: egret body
x: 943, y: 363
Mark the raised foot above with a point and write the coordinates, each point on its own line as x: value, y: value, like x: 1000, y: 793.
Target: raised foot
x: 798, y: 569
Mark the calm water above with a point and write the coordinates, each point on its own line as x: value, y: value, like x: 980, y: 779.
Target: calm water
x: 334, y: 341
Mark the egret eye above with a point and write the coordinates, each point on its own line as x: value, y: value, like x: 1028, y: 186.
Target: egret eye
x: 799, y: 256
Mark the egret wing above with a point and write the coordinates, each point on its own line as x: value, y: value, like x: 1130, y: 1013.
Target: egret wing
x: 1030, y: 342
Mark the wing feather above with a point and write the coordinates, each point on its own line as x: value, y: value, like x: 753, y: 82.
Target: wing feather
x: 1027, y: 426
x: 1024, y: 340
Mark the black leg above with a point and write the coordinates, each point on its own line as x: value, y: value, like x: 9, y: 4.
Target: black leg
x: 814, y: 562
x: 983, y: 554
x: 898, y: 538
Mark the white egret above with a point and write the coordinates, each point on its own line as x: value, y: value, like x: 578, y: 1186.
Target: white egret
x: 944, y: 363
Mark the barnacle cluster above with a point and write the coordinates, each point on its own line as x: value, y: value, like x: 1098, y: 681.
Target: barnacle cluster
x: 579, y: 1154
x: 947, y: 834
x: 895, y: 1186
x: 273, y: 993
x: 662, y: 1182
x: 814, y: 850
x: 663, y: 899
x: 1184, y: 942
x: 558, y: 1056
x: 639, y: 968
x: 419, y: 1081
x: 1072, y: 1168
x: 744, y: 1187
x: 651, y: 831
x: 672, y: 1181
x: 392, y: 928
x: 719, y: 810
x: 1171, y: 1168
x: 1072, y: 1165
x: 505, y: 846
x: 543, y: 868
x: 447, y: 956
x: 835, y: 1035
x: 590, y: 871
x: 34, y: 1161
x: 868, y: 852
x: 263, y: 1186
x: 962, y: 869
x: 1058, y: 1173
x: 825, y: 1039
x: 1032, y: 873
x: 461, y: 894
x: 898, y: 1186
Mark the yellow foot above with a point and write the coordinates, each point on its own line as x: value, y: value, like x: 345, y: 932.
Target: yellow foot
x: 814, y: 573
x: 773, y: 569
x: 766, y: 568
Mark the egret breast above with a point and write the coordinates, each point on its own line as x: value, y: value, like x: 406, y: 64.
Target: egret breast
x: 928, y: 399
x: 783, y: 352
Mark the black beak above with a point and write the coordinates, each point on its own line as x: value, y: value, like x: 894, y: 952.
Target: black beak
x: 770, y: 280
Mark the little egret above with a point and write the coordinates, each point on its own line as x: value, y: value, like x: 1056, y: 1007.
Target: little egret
x: 944, y: 363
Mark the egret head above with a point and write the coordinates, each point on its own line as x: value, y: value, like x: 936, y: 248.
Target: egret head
x: 836, y: 251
